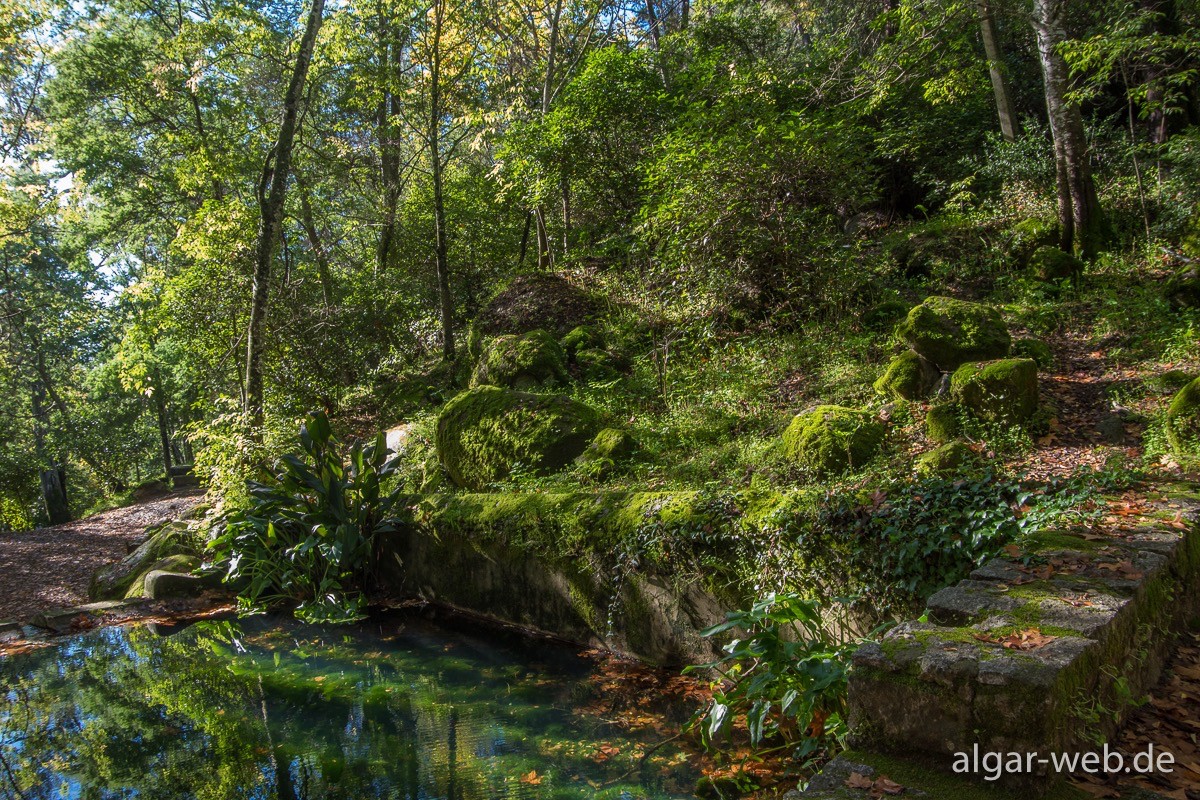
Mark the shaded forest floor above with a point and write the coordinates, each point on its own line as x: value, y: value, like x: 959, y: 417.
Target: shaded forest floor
x: 52, y: 567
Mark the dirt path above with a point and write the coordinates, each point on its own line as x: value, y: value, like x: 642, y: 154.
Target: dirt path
x: 51, y: 567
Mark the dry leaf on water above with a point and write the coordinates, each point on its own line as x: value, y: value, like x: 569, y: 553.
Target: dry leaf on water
x: 531, y: 778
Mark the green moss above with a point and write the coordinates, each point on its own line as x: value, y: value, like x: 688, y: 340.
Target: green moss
x: 908, y: 377
x: 1183, y: 420
x: 1027, y: 236
x: 485, y: 433
x: 1169, y: 381
x: 1052, y: 264
x: 830, y: 440
x: 582, y: 338
x: 611, y: 444
x: 997, y: 391
x: 1183, y: 288
x: 1034, y: 349
x: 949, y: 459
x: 180, y: 562
x: 949, y: 332
x: 943, y: 422
x: 524, y: 361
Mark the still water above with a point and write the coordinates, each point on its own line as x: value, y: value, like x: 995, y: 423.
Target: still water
x: 394, y: 708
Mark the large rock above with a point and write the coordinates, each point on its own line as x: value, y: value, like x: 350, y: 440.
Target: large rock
x: 1052, y: 264
x: 1027, y: 236
x: 947, y: 460
x: 181, y: 563
x: 484, y: 433
x: 997, y: 391
x: 943, y: 423
x: 1183, y: 288
x: 908, y: 377
x: 530, y: 302
x: 1183, y: 420
x: 113, y: 581
x: 832, y: 439
x: 949, y: 332
x: 522, y: 361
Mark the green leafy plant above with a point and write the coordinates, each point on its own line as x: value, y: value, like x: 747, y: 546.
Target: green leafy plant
x: 310, y: 532
x: 786, y: 676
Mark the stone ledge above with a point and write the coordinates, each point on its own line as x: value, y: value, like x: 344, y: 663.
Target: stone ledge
x: 1107, y: 610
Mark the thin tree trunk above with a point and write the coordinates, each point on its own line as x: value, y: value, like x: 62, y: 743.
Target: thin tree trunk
x: 308, y: 222
x: 545, y: 260
x: 445, y: 299
x: 272, y: 188
x: 1079, y: 204
x: 995, y: 58
x: 525, y: 239
x: 164, y: 434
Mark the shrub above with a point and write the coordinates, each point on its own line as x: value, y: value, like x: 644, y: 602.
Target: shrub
x: 310, y: 531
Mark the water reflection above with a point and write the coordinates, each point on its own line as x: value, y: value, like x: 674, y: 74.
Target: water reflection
x: 278, y: 710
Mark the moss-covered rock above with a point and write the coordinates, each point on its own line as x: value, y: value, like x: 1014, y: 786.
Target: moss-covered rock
x: 885, y: 315
x: 832, y: 439
x: 997, y: 391
x: 111, y: 582
x: 596, y: 364
x: 1169, y: 381
x: 1035, y: 349
x: 1027, y: 236
x: 1183, y: 420
x: 947, y: 460
x: 1051, y: 264
x: 180, y: 563
x: 610, y: 444
x: 908, y: 377
x: 949, y: 332
x: 581, y: 337
x: 943, y: 422
x: 522, y: 361
x: 1183, y: 288
x: 486, y: 432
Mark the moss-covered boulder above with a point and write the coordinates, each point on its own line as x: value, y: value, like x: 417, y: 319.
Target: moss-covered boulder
x: 1052, y: 264
x: 1183, y: 420
x: 581, y: 337
x: 522, y: 361
x: 908, y: 377
x: 1027, y: 236
x: 1169, y: 381
x: 830, y: 440
x: 949, y: 332
x: 949, y: 459
x: 943, y: 422
x: 997, y: 391
x: 537, y: 301
x: 181, y: 563
x: 486, y: 432
x: 1035, y: 349
x: 610, y: 444
x: 1183, y: 288
x: 111, y: 582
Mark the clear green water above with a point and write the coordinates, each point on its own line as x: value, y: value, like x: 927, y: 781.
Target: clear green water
x: 396, y: 708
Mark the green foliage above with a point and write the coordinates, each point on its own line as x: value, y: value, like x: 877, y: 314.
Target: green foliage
x: 311, y: 529
x: 785, y: 674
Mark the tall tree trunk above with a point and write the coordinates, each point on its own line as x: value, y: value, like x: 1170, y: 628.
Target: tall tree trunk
x: 164, y: 432
x: 272, y: 189
x: 995, y: 58
x: 309, y: 223
x: 545, y: 258
x: 445, y: 300
x: 524, y: 239
x: 1079, y: 212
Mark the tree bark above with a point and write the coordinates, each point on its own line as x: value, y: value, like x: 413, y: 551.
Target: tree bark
x: 272, y: 189
x: 1080, y: 217
x: 995, y: 58
x: 445, y: 300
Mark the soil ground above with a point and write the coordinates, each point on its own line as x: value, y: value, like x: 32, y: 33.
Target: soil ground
x: 51, y: 567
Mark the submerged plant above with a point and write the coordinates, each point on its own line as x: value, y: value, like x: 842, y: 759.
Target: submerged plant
x: 310, y: 532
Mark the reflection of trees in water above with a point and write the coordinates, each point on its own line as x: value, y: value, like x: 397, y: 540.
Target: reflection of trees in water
x: 210, y: 713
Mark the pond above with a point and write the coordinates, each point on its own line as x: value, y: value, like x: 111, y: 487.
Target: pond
x: 398, y: 707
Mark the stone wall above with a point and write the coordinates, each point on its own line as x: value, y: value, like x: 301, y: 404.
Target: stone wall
x: 1040, y: 652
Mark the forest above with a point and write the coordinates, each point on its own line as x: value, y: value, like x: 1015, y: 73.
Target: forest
x: 754, y: 314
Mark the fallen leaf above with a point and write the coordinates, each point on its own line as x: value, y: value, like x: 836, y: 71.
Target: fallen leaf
x: 885, y: 785
x: 859, y: 781
x: 532, y: 778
